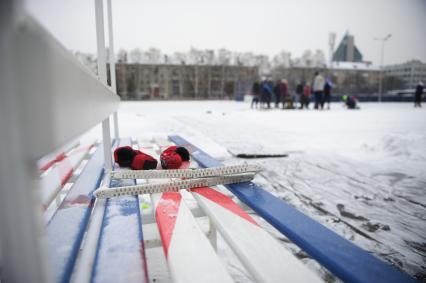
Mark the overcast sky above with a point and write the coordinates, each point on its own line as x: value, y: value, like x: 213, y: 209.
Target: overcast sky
x: 260, y: 26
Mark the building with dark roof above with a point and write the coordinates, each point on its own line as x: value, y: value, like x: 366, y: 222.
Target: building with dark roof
x: 347, y: 51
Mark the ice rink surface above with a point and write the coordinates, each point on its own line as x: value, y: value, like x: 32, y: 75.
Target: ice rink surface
x: 362, y: 173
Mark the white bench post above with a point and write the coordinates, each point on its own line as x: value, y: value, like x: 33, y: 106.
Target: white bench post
x: 100, y: 39
x: 112, y: 65
x: 116, y: 130
x: 21, y: 230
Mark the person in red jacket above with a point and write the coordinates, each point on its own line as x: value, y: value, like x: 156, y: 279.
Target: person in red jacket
x: 304, y: 99
x: 284, y: 91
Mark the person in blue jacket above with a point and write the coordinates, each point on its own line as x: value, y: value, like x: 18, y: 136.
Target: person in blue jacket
x: 327, y: 93
x: 267, y: 90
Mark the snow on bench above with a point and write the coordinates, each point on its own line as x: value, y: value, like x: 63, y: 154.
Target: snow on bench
x: 66, y: 228
x: 120, y: 255
x: 344, y: 259
x: 190, y: 256
x: 49, y: 160
x: 262, y: 256
x: 57, y: 172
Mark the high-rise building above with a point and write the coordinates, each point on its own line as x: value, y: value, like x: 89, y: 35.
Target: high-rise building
x: 347, y: 51
x: 410, y: 73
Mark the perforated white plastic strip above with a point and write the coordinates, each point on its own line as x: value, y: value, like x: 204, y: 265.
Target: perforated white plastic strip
x: 185, y: 173
x: 173, y: 186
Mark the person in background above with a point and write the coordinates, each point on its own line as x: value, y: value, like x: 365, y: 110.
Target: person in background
x: 299, y: 92
x: 350, y: 101
x: 278, y: 94
x: 318, y: 88
x: 267, y: 89
x: 418, y: 95
x: 262, y: 94
x: 255, y: 91
x: 285, y: 93
x: 327, y: 93
x: 305, y: 97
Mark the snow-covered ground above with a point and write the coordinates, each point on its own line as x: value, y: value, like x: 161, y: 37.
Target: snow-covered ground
x: 359, y: 172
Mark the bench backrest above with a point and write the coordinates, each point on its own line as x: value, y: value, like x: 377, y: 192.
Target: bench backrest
x: 48, y: 98
x: 63, y: 99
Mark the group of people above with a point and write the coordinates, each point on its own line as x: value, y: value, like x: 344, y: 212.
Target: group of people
x: 266, y: 91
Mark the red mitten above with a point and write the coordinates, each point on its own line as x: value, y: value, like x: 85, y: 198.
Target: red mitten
x: 183, y: 152
x: 124, y: 156
x: 143, y: 161
x: 170, y: 159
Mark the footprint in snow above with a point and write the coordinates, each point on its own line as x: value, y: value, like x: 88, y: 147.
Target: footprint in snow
x: 347, y: 214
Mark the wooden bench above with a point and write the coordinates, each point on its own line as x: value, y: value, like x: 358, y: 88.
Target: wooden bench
x: 95, y: 240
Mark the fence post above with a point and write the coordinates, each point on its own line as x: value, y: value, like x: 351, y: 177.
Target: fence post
x: 102, y: 72
x: 112, y: 65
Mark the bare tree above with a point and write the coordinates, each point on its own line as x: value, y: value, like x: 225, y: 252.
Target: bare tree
x: 223, y: 57
x: 179, y: 58
x: 152, y: 56
x: 319, y: 60
x: 247, y: 59
x: 282, y: 59
x: 135, y: 55
x: 122, y: 56
x: 262, y: 61
x: 196, y: 56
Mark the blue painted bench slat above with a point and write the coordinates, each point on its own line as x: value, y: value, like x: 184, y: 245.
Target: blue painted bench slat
x: 66, y: 228
x: 120, y: 254
x: 343, y: 258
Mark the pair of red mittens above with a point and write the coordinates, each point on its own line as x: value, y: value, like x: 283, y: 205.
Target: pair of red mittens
x: 173, y: 156
x: 126, y: 156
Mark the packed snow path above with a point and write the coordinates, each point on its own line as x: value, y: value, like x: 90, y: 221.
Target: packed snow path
x: 360, y: 172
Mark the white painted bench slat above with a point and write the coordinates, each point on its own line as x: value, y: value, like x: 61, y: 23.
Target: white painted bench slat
x: 262, y: 255
x: 120, y: 254
x: 59, y: 173
x: 190, y: 256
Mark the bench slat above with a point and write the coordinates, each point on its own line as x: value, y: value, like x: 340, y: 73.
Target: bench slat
x: 120, y: 256
x: 53, y: 180
x: 262, y: 255
x: 343, y: 258
x: 66, y: 227
x: 190, y: 256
